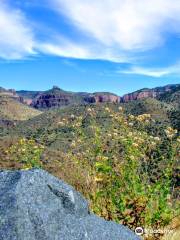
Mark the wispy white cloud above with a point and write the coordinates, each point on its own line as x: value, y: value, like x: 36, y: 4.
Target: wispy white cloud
x: 115, y: 30
x: 66, y: 48
x: 125, y: 24
x: 16, y: 37
x: 153, y: 72
x: 18, y: 40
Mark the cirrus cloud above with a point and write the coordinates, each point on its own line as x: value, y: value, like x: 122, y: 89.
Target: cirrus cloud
x: 126, y: 24
x: 16, y: 38
x: 114, y: 30
x: 153, y: 72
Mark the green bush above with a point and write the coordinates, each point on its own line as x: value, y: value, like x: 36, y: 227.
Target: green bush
x: 26, y: 152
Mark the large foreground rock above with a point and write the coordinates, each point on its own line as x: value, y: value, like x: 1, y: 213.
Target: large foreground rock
x: 34, y: 205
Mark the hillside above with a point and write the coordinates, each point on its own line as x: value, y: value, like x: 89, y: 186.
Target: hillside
x: 46, y: 127
x: 158, y: 109
x: 157, y: 93
x: 172, y: 97
x: 95, y: 147
x: 163, y: 105
x: 50, y: 128
x: 101, y: 147
x: 12, y: 109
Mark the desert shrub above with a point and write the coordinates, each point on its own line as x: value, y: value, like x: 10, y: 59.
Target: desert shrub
x: 124, y: 164
x: 130, y: 171
x: 27, y: 153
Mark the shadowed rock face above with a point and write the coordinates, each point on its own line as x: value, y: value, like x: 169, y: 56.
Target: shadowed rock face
x: 34, y: 205
x: 51, y: 101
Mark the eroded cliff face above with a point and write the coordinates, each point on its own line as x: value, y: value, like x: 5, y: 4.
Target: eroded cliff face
x: 139, y: 95
x: 56, y: 97
x: 51, y: 101
x: 148, y: 93
x: 27, y: 101
x: 102, y: 98
x: 10, y: 93
x: 53, y: 98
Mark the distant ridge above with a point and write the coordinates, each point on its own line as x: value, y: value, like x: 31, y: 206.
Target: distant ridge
x: 57, y: 97
x: 152, y: 93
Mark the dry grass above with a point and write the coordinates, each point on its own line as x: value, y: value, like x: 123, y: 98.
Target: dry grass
x: 12, y: 109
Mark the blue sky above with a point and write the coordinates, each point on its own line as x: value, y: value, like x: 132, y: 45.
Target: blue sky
x: 89, y: 45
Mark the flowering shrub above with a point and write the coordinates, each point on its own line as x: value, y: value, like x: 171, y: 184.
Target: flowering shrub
x: 130, y: 171
x: 27, y: 152
x: 125, y: 165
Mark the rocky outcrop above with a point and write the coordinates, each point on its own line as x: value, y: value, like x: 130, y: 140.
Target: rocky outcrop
x: 34, y: 205
x: 51, y: 101
x: 139, y: 95
x: 28, y: 101
x: 56, y: 98
x: 10, y: 93
x: 102, y: 98
x: 148, y: 93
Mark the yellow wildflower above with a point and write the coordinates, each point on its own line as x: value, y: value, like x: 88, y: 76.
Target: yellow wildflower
x: 135, y: 145
x: 98, y: 179
x: 26, y: 168
x: 107, y: 109
x: 131, y: 117
x: 61, y: 123
x: 73, y: 144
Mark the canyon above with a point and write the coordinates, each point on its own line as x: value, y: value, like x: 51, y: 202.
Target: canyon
x: 56, y: 97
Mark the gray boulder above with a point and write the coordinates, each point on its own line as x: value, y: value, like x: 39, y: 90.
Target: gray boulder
x: 35, y: 205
